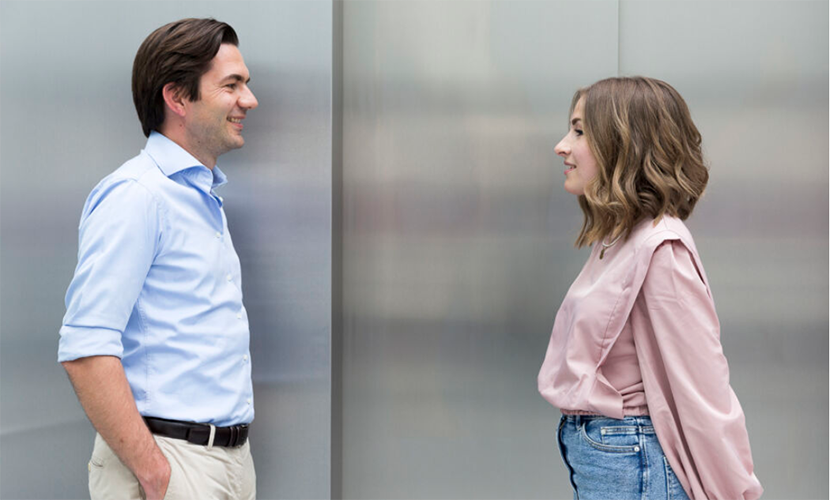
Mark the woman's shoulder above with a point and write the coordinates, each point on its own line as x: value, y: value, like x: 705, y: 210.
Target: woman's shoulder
x: 649, y: 234
x: 664, y: 243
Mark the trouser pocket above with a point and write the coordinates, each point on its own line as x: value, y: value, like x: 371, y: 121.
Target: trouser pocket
x: 611, y: 437
x: 108, y: 477
x: 563, y: 452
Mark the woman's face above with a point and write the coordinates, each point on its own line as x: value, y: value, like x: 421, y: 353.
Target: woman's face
x: 580, y: 164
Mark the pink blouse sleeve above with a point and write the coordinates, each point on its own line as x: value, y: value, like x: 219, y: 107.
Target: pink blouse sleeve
x: 696, y: 415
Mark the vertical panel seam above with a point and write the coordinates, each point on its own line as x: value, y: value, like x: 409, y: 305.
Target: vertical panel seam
x: 619, y: 37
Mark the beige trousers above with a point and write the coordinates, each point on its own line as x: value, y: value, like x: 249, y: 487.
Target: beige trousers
x: 196, y: 472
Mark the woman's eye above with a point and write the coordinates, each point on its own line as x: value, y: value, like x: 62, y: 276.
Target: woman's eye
x: 577, y: 131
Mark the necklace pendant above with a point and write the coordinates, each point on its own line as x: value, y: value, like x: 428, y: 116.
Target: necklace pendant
x: 601, y: 254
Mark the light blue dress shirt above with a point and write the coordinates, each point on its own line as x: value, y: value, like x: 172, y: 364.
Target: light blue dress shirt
x: 158, y: 285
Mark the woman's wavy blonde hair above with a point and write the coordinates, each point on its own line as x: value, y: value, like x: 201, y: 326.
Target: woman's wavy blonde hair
x: 648, y: 155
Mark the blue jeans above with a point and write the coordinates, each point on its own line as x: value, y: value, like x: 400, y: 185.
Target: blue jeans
x: 616, y: 459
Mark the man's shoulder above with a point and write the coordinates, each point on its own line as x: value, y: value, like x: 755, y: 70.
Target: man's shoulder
x: 140, y: 168
x: 138, y: 175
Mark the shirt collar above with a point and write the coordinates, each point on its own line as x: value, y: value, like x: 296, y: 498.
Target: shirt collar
x: 172, y: 158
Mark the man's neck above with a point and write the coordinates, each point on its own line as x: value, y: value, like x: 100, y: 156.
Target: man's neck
x: 181, y: 140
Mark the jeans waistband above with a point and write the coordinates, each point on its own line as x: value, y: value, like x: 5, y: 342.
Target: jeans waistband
x: 643, y: 420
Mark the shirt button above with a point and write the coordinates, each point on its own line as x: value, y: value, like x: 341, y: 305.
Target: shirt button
x: 229, y: 277
x: 221, y: 199
x: 238, y: 315
x: 245, y: 357
x: 218, y: 234
x: 249, y: 401
x: 636, y: 448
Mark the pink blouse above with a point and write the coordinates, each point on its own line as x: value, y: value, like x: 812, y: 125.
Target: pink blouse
x: 651, y: 291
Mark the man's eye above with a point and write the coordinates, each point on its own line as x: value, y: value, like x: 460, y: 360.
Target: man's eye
x: 231, y: 86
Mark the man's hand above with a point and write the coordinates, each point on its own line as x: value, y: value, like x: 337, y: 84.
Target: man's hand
x: 155, y: 487
x: 105, y: 395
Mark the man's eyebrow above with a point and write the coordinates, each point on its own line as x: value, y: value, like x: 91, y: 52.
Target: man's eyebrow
x: 236, y: 77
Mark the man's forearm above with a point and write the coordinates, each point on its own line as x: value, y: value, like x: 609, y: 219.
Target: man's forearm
x: 106, y: 397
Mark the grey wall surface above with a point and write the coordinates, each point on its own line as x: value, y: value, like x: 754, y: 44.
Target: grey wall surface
x: 457, y: 244
x: 67, y: 121
x: 404, y: 235
x: 458, y: 234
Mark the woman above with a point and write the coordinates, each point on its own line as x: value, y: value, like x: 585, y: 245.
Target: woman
x: 635, y: 362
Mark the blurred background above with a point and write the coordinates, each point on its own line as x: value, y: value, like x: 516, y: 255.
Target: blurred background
x: 404, y: 235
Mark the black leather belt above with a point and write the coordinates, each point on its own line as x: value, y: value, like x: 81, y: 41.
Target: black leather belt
x: 198, y: 433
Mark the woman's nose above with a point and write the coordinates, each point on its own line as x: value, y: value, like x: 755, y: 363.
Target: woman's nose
x: 562, y: 149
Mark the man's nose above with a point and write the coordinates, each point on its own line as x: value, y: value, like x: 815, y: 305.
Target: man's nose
x: 248, y: 100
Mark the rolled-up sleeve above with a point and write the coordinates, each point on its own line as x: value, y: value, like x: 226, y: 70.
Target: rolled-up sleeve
x: 697, y: 417
x: 118, y: 240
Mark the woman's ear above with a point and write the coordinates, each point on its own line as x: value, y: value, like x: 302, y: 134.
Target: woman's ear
x: 174, y: 99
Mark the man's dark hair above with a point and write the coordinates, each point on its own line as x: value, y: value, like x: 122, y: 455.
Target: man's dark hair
x: 179, y: 52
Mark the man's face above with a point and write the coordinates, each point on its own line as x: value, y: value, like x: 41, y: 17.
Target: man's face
x: 214, y: 122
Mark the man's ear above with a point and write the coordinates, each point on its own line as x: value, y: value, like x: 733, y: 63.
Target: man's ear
x: 174, y: 98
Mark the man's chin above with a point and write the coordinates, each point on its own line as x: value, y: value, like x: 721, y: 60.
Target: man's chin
x: 236, y: 143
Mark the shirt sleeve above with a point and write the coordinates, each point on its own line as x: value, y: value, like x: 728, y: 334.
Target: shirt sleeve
x: 696, y: 415
x: 118, y: 240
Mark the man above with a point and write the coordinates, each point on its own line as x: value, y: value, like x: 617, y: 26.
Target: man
x: 155, y: 339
